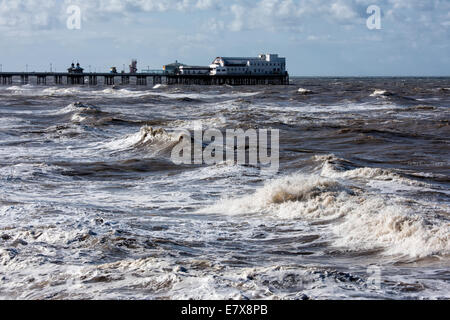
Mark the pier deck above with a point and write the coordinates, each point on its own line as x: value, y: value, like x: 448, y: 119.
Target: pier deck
x: 140, y: 79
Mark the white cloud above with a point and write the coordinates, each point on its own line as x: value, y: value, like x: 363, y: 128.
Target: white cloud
x: 206, y: 4
x: 343, y: 11
x: 17, y: 13
x: 235, y: 15
x: 214, y: 25
x: 239, y: 13
x: 23, y: 14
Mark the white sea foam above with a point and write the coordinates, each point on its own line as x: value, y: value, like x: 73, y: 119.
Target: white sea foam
x: 16, y: 88
x: 21, y: 90
x: 155, y: 141
x: 305, y: 91
x: 368, y: 221
x: 80, y: 112
x: 78, y: 107
x: 122, y: 93
x: 297, y: 196
x: 24, y: 171
x: 199, y: 279
x: 55, y: 91
x: 375, y: 222
x: 204, y: 96
x: 206, y: 123
x: 331, y: 167
x: 379, y: 92
x: 29, y: 90
x: 318, y: 109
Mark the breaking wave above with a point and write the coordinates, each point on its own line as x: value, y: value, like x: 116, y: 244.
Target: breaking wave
x: 378, y: 93
x: 298, y: 196
x: 338, y: 168
x: 377, y: 223
x: 79, y: 107
x: 394, y: 97
x: 305, y: 91
x: 360, y: 220
x: 155, y: 141
x: 82, y: 113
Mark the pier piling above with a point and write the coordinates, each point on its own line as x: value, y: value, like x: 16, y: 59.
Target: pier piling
x: 125, y: 80
x: 6, y: 80
x: 141, y: 80
x: 75, y: 79
x: 109, y: 80
x: 41, y: 80
x: 92, y: 80
x: 24, y: 79
x: 58, y: 80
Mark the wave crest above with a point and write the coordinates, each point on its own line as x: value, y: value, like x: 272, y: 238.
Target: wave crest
x: 304, y: 91
x: 156, y: 141
x: 379, y: 92
x: 356, y: 220
x: 297, y: 196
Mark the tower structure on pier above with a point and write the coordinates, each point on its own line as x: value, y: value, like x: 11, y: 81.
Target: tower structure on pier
x: 75, y: 69
x: 133, y: 66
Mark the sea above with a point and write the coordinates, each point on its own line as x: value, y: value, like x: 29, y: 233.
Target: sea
x: 92, y: 205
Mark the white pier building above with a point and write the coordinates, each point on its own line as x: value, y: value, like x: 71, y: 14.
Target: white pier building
x: 264, y: 64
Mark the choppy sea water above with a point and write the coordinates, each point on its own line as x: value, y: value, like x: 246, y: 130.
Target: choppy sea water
x: 91, y: 205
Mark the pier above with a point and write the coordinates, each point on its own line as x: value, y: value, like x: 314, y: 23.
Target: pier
x: 265, y: 69
x: 138, y: 79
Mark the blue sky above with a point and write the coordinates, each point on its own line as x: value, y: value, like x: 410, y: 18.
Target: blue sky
x: 318, y: 37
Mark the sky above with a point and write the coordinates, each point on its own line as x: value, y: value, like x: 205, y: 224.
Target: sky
x: 317, y: 37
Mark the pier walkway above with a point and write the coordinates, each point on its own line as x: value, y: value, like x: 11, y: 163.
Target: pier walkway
x: 139, y: 79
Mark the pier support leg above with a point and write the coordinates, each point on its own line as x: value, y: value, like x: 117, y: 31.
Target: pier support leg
x: 109, y: 80
x: 125, y: 80
x: 41, y: 80
x: 24, y: 79
x: 141, y: 80
x: 58, y: 80
x: 92, y: 80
